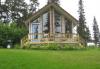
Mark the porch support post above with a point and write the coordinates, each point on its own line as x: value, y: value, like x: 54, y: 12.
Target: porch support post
x: 41, y: 27
x: 30, y: 31
x: 72, y: 27
x: 51, y: 22
x: 63, y: 26
x: 72, y: 30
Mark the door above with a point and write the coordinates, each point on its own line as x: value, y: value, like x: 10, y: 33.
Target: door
x: 35, y: 31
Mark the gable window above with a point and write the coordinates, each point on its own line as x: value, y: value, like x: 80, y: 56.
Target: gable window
x: 36, y: 20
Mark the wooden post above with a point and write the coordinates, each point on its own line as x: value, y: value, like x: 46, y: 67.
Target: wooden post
x: 51, y: 23
x: 41, y: 27
x: 72, y: 28
x: 63, y: 25
x: 53, y: 14
x: 21, y: 43
x: 30, y: 31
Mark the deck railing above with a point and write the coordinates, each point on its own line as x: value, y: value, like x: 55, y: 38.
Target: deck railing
x: 50, y: 38
x: 24, y: 40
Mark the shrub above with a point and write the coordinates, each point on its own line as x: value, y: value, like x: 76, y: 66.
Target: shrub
x: 17, y: 46
x: 11, y: 32
x: 53, y: 47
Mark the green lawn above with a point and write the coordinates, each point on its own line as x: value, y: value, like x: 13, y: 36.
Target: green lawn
x: 46, y: 59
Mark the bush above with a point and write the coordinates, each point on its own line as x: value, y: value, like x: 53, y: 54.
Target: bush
x: 12, y: 32
x: 53, y: 47
x: 17, y: 46
x: 1, y: 47
x: 56, y: 46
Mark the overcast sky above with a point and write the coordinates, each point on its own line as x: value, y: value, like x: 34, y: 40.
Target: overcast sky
x: 91, y: 8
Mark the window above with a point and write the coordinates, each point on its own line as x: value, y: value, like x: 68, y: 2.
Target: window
x: 57, y: 23
x: 35, y: 30
x: 46, y: 23
x: 68, y: 26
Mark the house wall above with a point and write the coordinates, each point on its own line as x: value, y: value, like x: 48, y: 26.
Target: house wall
x: 42, y: 20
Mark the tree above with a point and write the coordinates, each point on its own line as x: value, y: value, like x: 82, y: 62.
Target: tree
x: 96, y: 31
x: 82, y: 28
x: 88, y: 37
x: 19, y: 10
x: 4, y: 12
x: 33, y: 6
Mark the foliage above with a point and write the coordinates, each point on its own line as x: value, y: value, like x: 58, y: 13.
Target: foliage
x: 96, y: 31
x: 82, y: 29
x: 55, y: 46
x: 33, y: 6
x: 11, y: 32
x: 17, y: 46
x: 4, y: 13
x: 16, y: 11
x: 88, y: 37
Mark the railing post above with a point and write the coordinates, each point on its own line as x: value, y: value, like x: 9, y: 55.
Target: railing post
x: 21, y: 43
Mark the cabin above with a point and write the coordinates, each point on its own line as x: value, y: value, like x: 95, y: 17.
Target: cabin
x: 51, y: 24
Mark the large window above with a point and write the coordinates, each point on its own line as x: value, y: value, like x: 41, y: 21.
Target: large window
x: 46, y: 23
x: 57, y: 23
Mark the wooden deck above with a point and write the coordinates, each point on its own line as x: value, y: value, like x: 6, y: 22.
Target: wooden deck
x: 48, y: 38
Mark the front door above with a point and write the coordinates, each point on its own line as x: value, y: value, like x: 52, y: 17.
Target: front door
x: 35, y: 31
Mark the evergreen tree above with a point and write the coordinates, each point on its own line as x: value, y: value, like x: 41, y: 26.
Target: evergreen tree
x: 88, y: 37
x: 82, y: 28
x: 96, y: 31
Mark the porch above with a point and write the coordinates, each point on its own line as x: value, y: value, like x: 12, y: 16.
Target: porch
x: 43, y: 38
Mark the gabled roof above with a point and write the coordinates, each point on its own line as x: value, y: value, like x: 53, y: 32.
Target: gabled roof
x: 46, y: 8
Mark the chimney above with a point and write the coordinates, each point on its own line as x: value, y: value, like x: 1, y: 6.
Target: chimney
x: 50, y: 1
x: 53, y: 1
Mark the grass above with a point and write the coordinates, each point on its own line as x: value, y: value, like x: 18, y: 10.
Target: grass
x: 49, y: 59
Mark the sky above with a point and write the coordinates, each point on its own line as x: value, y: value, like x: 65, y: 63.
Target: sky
x: 91, y: 8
